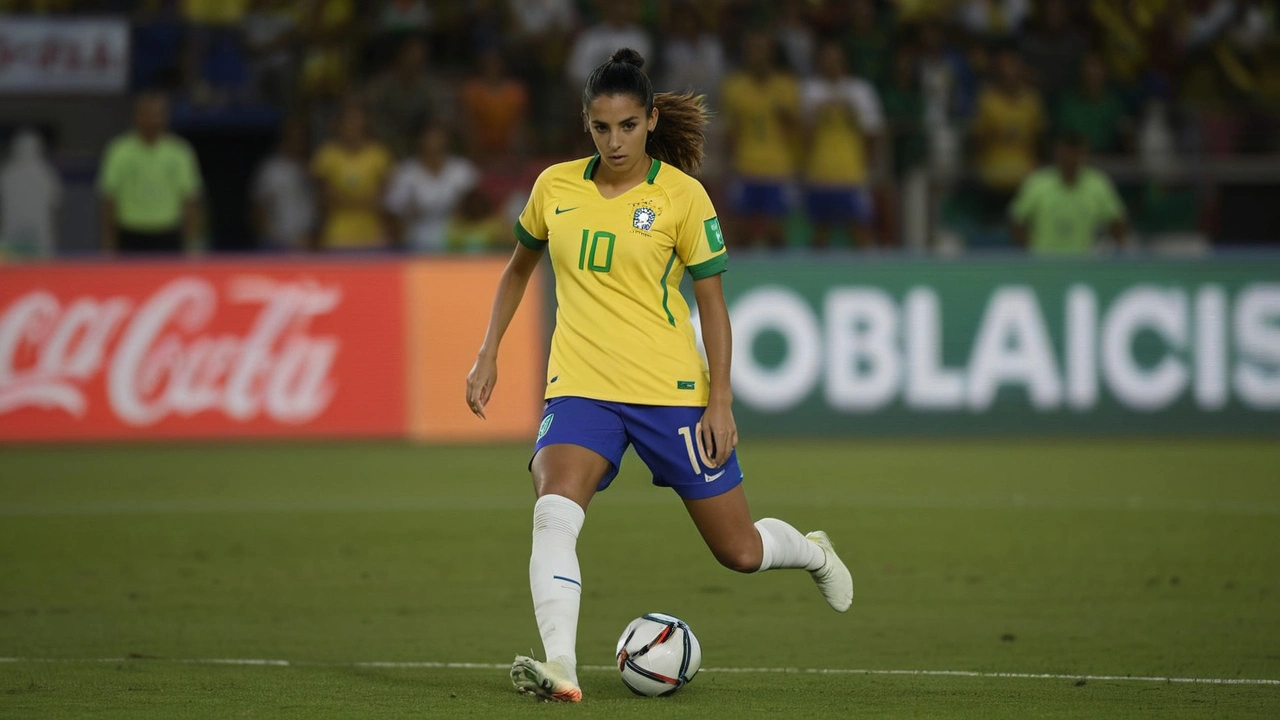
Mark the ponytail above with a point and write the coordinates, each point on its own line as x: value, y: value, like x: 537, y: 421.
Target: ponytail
x: 679, y: 138
x: 680, y: 135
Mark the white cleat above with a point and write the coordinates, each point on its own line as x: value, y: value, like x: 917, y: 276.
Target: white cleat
x: 833, y: 577
x: 547, y: 680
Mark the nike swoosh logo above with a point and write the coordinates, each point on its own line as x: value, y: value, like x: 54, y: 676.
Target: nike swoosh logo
x: 713, y: 478
x: 558, y: 210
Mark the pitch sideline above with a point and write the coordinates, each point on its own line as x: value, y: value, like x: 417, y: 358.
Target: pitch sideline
x: 268, y: 662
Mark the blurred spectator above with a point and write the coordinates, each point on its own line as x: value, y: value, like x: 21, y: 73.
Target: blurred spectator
x: 223, y: 13
x: 1059, y: 209
x: 1124, y: 31
x: 993, y: 18
x: 30, y: 195
x: 761, y: 111
x: 425, y: 190
x: 495, y: 109
x: 329, y: 31
x: 796, y: 36
x: 270, y: 35
x: 475, y: 227
x: 869, y: 43
x: 904, y: 109
x: 150, y: 185
x: 1006, y: 132
x: 351, y: 173
x: 948, y: 87
x: 543, y: 18
x: 540, y: 38
x: 157, y: 46
x: 844, y: 123
x: 404, y: 98
x: 1052, y: 48
x: 595, y: 44
x: 284, y: 202
x: 692, y: 55
x: 404, y: 16
x: 1095, y: 110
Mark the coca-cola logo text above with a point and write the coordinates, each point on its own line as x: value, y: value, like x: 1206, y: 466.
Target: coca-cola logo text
x: 159, y: 358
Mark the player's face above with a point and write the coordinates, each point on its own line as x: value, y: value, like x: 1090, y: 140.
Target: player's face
x: 619, y: 127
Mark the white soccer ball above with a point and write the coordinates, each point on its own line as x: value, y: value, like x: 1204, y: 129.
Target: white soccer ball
x: 658, y: 655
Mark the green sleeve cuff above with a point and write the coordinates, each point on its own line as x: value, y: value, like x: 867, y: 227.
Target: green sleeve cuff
x: 714, y: 266
x: 528, y: 240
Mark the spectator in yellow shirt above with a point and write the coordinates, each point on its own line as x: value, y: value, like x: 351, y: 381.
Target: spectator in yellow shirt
x: 351, y: 173
x: 761, y: 106
x: 845, y: 123
x: 1007, y: 129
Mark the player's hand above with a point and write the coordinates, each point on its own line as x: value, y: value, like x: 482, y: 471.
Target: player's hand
x: 480, y: 382
x: 718, y: 433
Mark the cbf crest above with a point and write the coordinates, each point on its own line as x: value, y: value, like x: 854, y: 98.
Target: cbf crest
x: 643, y: 218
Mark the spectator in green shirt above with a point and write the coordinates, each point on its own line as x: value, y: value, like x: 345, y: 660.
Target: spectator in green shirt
x: 1059, y: 209
x: 1094, y: 110
x: 150, y: 185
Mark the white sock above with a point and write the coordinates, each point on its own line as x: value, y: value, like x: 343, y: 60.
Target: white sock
x: 554, y: 578
x: 785, y: 547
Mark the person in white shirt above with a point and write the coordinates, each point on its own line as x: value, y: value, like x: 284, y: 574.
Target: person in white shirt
x: 692, y: 55
x: 598, y: 42
x: 424, y: 190
x: 30, y: 194
x: 284, y: 200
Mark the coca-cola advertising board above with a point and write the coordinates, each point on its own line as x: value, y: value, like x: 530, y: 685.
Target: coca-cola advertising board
x: 179, y: 350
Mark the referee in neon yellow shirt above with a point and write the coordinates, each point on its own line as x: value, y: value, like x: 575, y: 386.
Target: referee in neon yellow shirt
x: 1059, y: 209
x: 150, y: 185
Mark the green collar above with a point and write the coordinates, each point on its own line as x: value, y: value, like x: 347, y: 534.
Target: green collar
x: 594, y: 163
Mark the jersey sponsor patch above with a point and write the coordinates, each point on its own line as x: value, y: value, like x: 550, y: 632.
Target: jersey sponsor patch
x: 643, y: 218
x: 686, y: 385
x: 714, y: 237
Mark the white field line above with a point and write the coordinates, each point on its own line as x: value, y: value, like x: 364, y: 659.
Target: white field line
x: 261, y: 662
x: 249, y: 506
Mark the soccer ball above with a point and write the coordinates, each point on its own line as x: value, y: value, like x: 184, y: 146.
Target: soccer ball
x: 658, y: 655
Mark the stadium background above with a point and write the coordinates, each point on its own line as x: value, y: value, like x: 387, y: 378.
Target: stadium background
x: 1045, y: 465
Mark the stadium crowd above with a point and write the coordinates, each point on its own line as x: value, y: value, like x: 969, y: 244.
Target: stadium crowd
x: 419, y: 125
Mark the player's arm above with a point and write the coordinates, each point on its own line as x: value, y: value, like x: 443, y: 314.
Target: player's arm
x: 515, y: 278
x: 719, y: 431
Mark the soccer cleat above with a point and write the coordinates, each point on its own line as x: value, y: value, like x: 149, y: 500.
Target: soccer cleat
x: 547, y: 680
x: 833, y: 577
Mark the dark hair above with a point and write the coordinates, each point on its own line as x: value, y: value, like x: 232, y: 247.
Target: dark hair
x: 1073, y: 139
x: 680, y: 134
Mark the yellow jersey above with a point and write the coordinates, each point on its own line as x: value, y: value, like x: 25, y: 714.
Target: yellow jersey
x: 1012, y: 128
x: 762, y: 147
x: 622, y: 328
x: 844, y: 116
x: 353, y: 176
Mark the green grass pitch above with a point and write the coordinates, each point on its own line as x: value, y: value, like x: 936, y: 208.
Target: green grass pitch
x: 126, y: 570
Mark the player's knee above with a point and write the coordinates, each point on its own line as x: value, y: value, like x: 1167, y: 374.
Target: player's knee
x: 740, y: 559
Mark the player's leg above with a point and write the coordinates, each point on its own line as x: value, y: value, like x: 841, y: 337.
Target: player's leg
x: 724, y: 522
x: 565, y: 477
x: 580, y: 444
x: 665, y: 439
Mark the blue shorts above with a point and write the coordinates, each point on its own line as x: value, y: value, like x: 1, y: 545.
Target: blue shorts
x: 839, y: 204
x: 665, y: 438
x: 771, y: 198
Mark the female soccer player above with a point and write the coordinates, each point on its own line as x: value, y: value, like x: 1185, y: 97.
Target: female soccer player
x: 622, y: 227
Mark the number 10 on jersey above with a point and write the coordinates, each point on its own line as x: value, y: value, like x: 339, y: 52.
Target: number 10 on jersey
x: 588, y: 258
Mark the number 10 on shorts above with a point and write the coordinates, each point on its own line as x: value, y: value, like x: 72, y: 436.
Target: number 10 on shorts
x: 690, y: 442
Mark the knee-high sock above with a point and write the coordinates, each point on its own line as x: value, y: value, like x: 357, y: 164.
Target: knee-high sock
x: 785, y: 547
x: 554, y: 578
